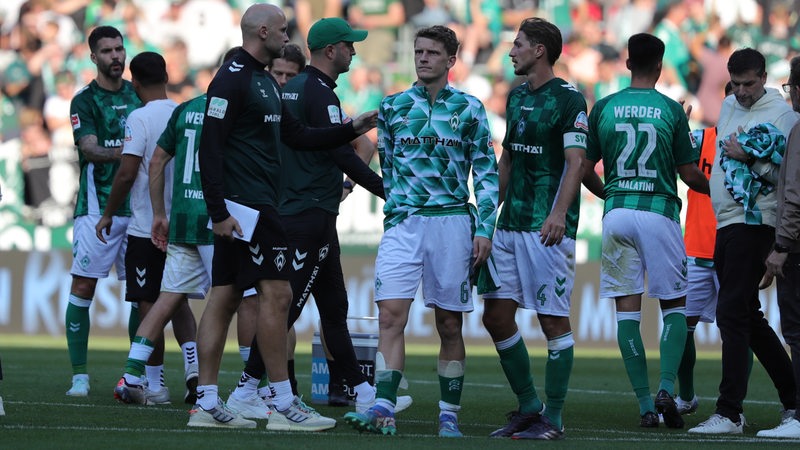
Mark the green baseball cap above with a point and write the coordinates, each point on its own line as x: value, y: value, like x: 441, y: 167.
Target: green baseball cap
x: 332, y: 30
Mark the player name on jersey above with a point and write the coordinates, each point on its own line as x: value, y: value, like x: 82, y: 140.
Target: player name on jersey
x: 632, y: 185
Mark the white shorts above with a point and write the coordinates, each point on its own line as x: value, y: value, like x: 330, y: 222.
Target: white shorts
x: 188, y: 270
x: 701, y: 298
x: 435, y: 250
x: 536, y: 277
x: 635, y: 242
x: 93, y: 259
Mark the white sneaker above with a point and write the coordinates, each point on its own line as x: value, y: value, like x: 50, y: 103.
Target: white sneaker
x: 252, y: 407
x: 717, y: 424
x: 80, y: 386
x: 2, y: 410
x: 161, y: 397
x: 787, y: 414
x: 219, y: 417
x: 789, y: 428
x: 685, y: 407
x: 297, y: 418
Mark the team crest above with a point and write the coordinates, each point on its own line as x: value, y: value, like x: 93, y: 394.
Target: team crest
x: 455, y: 121
x: 280, y: 261
x: 323, y: 252
x: 520, y: 127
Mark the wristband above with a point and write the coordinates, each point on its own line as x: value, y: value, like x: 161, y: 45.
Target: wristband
x: 348, y: 185
x: 780, y: 248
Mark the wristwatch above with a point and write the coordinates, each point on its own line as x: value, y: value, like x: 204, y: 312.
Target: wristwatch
x: 780, y: 248
x: 348, y: 185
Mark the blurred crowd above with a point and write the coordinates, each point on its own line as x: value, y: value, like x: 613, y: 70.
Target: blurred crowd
x: 44, y: 59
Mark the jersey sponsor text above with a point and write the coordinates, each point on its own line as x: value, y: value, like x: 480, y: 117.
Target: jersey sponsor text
x: 430, y: 140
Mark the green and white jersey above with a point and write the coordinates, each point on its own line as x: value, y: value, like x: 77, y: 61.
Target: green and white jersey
x: 541, y: 125
x: 97, y: 111
x: 427, y: 152
x: 642, y: 136
x: 188, y: 218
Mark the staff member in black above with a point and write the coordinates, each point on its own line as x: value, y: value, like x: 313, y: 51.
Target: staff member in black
x: 311, y: 189
x: 240, y: 161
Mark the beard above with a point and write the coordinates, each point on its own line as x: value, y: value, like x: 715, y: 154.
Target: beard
x: 113, y: 70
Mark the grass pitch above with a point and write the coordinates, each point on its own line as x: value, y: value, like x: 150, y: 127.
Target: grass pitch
x: 600, y: 412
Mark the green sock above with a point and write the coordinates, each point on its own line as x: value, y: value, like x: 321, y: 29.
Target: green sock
x: 556, y: 379
x: 387, y: 382
x: 630, y: 344
x: 451, y: 381
x: 133, y: 321
x: 77, y: 325
x: 141, y: 349
x: 516, y: 365
x: 673, y: 340
x: 686, y: 369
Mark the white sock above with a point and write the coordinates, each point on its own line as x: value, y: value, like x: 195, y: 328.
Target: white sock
x: 283, y: 394
x: 155, y: 377
x: 365, y: 393
x: 189, y: 350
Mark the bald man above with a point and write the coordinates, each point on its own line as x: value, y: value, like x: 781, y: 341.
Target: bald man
x: 239, y: 161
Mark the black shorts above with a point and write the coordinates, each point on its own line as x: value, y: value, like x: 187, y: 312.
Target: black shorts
x: 265, y: 257
x: 144, y: 267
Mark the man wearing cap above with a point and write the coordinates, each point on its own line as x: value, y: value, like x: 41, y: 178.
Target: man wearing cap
x: 310, y: 191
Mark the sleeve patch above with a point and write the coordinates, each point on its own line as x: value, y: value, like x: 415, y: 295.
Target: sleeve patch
x: 217, y: 107
x: 76, y: 121
x: 582, y: 121
x: 334, y: 114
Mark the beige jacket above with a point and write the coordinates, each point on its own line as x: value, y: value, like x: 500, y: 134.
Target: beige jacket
x: 772, y: 108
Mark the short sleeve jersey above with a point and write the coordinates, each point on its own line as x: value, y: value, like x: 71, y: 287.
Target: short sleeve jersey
x: 188, y: 218
x: 102, y: 113
x: 642, y: 136
x: 541, y: 125
x: 142, y: 131
x: 427, y: 151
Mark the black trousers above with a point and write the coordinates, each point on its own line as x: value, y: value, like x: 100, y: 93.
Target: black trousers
x: 316, y: 269
x: 789, y: 303
x: 739, y: 256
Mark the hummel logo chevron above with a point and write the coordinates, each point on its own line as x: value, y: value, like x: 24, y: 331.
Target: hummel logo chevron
x: 299, y: 259
x: 74, y: 327
x: 235, y: 67
x: 256, y: 255
x: 141, y: 277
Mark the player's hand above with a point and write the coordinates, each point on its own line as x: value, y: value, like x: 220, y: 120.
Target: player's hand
x: 481, y: 249
x: 159, y: 232
x: 366, y: 121
x: 345, y: 193
x: 774, y: 263
x: 226, y: 228
x: 553, y: 230
x: 104, y: 224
